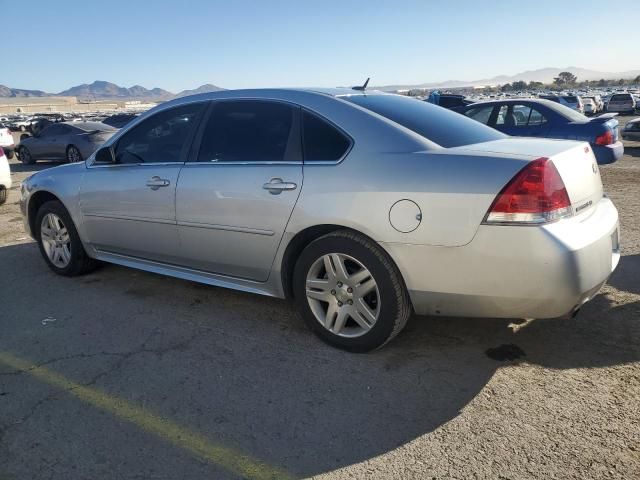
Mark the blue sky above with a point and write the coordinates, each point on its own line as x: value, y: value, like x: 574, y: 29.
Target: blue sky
x: 182, y: 44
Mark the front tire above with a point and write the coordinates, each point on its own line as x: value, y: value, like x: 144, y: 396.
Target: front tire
x: 73, y: 154
x: 349, y: 292
x: 9, y: 154
x: 59, y: 241
x: 3, y: 194
x: 25, y: 156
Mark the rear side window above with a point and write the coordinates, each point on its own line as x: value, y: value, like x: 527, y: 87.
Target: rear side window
x: 251, y: 131
x: 480, y: 114
x: 321, y: 140
x: 441, y: 126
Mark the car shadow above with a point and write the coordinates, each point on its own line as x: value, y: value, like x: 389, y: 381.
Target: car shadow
x: 16, y: 166
x: 243, y: 368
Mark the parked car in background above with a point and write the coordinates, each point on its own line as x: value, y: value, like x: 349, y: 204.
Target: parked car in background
x: 20, y: 124
x: 622, y: 103
x: 574, y: 102
x: 544, y: 118
x: 120, y: 120
x: 448, y: 100
x: 70, y: 141
x: 632, y: 130
x: 5, y: 177
x: 6, y: 141
x: 590, y: 107
x: 404, y: 207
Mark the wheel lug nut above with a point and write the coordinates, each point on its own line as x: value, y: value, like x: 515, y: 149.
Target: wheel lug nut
x: 333, y: 292
x: 350, y: 290
x: 339, y: 284
x: 339, y: 304
x: 350, y: 302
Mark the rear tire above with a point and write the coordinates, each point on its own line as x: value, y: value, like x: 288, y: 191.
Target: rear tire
x: 334, y: 305
x: 9, y: 154
x: 75, y: 261
x: 4, y: 193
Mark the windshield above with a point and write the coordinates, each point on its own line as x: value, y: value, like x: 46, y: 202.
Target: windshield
x: 441, y: 126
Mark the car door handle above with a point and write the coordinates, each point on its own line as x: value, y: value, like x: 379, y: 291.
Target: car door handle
x: 156, y: 182
x: 276, y: 186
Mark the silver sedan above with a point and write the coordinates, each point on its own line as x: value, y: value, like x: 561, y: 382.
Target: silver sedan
x: 362, y: 207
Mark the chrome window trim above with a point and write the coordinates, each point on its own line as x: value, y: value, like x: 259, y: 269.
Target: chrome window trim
x: 257, y: 162
x: 125, y: 165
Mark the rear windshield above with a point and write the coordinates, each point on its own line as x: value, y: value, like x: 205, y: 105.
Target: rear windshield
x: 441, y: 126
x: 621, y: 97
x: 568, y: 113
x: 571, y: 99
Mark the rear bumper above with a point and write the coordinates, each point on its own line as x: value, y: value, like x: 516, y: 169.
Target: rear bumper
x: 514, y: 272
x: 608, y: 153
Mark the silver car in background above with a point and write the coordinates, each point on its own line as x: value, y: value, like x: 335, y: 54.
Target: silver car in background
x: 361, y: 206
x: 64, y: 141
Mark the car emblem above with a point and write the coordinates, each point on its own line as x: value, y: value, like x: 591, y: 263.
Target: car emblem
x: 594, y: 167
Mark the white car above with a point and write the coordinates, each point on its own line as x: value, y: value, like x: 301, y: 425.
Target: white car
x: 6, y: 141
x: 5, y: 177
x: 589, y: 106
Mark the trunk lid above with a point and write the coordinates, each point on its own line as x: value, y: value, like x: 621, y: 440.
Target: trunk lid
x: 575, y: 162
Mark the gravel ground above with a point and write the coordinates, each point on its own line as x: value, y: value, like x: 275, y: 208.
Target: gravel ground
x: 134, y: 375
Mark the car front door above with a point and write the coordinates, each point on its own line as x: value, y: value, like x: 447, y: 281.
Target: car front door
x: 236, y: 195
x: 58, y: 142
x: 128, y: 195
x: 42, y: 146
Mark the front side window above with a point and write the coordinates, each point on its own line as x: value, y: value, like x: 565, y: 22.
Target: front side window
x: 251, y: 131
x: 160, y: 138
x: 321, y: 140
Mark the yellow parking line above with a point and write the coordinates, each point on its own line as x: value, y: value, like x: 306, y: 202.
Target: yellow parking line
x: 195, y: 443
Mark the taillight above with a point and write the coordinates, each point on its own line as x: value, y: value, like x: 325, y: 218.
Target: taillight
x: 535, y: 195
x: 605, y: 139
x: 1, y: 152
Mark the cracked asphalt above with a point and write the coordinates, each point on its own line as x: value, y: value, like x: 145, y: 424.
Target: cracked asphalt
x: 130, y: 375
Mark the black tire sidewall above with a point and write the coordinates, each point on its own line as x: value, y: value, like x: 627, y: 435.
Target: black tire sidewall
x: 390, y: 304
x: 69, y: 148
x: 31, y: 161
x: 77, y: 249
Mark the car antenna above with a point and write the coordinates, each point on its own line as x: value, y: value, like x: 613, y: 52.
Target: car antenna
x: 363, y: 87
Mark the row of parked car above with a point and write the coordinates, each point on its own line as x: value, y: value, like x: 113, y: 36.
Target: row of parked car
x: 555, y: 116
x: 59, y: 137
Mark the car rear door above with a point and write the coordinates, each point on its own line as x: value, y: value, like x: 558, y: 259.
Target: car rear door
x: 128, y: 200
x: 237, y: 192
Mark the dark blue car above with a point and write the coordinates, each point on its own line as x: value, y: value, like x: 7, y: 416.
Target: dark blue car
x: 544, y: 118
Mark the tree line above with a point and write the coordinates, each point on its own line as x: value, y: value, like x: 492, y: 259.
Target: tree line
x: 562, y: 81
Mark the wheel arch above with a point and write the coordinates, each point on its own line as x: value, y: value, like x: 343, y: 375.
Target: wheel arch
x: 36, y: 201
x: 303, y: 238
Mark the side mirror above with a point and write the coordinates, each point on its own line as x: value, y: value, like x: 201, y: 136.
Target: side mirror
x: 105, y: 156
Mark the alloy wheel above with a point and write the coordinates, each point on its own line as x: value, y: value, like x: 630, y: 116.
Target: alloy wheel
x: 343, y: 295
x: 55, y: 240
